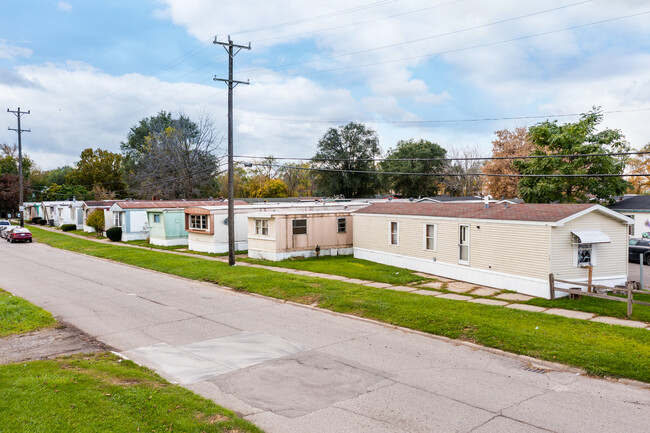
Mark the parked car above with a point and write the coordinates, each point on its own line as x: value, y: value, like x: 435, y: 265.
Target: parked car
x: 636, y: 247
x: 4, y: 226
x: 19, y: 234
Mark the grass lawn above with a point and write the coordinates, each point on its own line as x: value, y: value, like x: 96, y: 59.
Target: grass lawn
x: 347, y: 266
x: 18, y: 316
x: 102, y: 393
x: 598, y: 306
x: 87, y: 234
x: 598, y: 348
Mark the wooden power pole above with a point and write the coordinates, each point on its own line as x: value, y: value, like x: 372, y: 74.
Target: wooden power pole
x: 232, y: 50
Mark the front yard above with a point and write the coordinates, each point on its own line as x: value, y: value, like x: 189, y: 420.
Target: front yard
x: 598, y: 348
x: 97, y: 392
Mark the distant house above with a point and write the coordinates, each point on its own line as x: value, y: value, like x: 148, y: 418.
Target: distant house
x: 89, y: 207
x: 132, y: 217
x: 285, y: 234
x: 207, y: 226
x: 638, y: 209
x: 505, y: 246
x: 55, y: 213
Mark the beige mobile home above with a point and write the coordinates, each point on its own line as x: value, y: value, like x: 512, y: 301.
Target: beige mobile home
x: 284, y: 234
x: 506, y: 246
x: 207, y: 226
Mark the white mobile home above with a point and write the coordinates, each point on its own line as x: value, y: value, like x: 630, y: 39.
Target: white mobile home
x: 505, y: 246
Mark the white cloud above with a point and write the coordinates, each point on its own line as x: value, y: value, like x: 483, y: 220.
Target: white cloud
x: 64, y: 6
x: 10, y: 52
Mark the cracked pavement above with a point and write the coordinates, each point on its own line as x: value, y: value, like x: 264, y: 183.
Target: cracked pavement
x: 290, y: 368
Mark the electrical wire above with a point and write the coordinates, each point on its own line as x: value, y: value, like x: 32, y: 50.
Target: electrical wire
x: 318, y: 59
x: 456, y: 50
x: 460, y: 174
x: 406, y: 122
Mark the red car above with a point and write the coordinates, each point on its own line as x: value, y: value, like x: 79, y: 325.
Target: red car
x: 19, y: 234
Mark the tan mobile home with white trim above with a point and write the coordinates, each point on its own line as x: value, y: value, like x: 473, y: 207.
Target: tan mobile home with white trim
x: 281, y: 235
x: 505, y: 246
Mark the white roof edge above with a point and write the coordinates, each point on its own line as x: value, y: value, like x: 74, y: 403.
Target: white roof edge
x: 595, y: 207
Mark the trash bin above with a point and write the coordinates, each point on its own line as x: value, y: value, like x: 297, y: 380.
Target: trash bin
x: 50, y: 223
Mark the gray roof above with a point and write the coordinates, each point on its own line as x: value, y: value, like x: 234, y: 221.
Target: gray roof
x: 639, y: 202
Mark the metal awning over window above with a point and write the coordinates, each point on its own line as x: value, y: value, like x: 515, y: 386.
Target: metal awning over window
x: 591, y: 237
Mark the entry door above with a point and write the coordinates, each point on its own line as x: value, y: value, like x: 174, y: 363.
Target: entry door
x: 463, y: 244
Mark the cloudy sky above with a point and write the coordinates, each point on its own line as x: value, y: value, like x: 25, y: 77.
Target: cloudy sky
x: 449, y: 71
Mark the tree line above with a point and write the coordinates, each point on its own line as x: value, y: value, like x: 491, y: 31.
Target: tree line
x: 169, y: 157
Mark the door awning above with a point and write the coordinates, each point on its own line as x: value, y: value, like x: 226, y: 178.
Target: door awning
x: 591, y: 237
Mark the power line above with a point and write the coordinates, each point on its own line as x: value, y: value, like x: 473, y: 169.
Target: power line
x: 318, y: 17
x: 455, y: 50
x: 460, y: 174
x: 358, y: 23
x: 473, y: 158
x: 406, y: 122
x: 420, y: 39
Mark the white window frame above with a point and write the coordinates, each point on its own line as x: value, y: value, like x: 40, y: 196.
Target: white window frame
x: 426, y: 237
x: 576, y: 255
x: 198, y: 222
x: 262, y: 227
x: 467, y: 243
x: 338, y: 225
x: 630, y: 228
x: 118, y: 219
x: 293, y: 226
x: 156, y: 216
x: 391, y: 233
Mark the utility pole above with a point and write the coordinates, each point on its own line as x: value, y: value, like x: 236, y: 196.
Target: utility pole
x: 230, y: 48
x: 21, y: 208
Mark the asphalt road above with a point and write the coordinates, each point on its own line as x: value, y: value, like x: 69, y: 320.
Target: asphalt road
x: 290, y: 368
x: 634, y: 273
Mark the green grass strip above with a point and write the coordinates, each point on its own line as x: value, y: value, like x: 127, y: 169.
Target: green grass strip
x: 102, y: 393
x: 347, y: 266
x: 598, y: 348
x: 18, y: 316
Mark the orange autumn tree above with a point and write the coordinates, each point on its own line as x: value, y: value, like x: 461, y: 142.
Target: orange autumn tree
x: 507, y: 143
x: 639, y: 164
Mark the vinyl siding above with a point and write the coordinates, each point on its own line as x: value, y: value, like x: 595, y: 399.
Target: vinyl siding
x: 511, y: 248
x: 611, y: 258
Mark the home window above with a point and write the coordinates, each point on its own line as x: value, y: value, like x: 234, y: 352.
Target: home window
x: 430, y: 237
x: 262, y: 227
x: 342, y: 225
x: 585, y: 252
x: 394, y: 233
x: 198, y: 222
x: 118, y: 219
x: 300, y: 227
x: 463, y: 244
x: 156, y: 217
x: 630, y: 228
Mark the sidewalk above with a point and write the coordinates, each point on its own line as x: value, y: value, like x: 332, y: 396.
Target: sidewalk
x: 489, y: 296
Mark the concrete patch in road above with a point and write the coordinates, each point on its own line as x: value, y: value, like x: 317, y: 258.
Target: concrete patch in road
x: 308, y: 382
x: 194, y: 362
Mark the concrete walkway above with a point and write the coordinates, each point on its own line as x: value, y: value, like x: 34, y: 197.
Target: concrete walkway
x: 291, y: 368
x: 489, y: 296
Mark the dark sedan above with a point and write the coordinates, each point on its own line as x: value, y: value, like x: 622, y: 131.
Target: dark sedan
x: 638, y: 246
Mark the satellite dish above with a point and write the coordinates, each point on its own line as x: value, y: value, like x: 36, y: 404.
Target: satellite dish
x: 225, y: 221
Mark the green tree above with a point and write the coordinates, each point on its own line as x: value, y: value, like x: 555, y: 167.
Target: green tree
x: 412, y: 185
x: 57, y: 192
x: 580, y: 137
x: 271, y: 188
x: 98, y: 168
x: 96, y: 220
x: 9, y: 161
x: 172, y: 161
x: 345, y: 149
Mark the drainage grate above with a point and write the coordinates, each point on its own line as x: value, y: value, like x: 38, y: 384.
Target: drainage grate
x: 536, y: 370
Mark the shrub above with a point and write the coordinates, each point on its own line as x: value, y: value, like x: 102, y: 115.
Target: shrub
x: 42, y: 222
x: 68, y: 227
x: 36, y: 220
x: 96, y: 221
x: 114, y: 234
